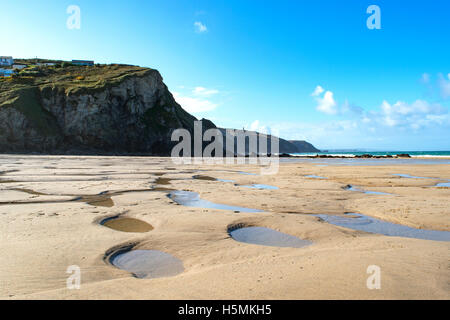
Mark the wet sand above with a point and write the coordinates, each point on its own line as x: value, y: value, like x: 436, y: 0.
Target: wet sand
x: 51, y: 209
x: 127, y: 224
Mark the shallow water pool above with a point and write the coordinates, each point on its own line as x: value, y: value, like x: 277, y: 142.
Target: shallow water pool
x: 148, y: 263
x: 361, y: 222
x: 267, y: 237
x: 192, y: 199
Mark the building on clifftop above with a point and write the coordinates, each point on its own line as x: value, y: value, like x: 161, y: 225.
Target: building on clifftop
x: 6, y: 61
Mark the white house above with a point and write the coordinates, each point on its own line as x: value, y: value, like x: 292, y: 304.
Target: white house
x: 6, y: 61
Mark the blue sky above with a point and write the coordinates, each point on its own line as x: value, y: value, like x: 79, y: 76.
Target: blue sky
x: 257, y: 64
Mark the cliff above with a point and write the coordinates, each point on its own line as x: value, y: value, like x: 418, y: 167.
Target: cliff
x: 100, y: 109
x: 284, y: 146
x: 303, y: 146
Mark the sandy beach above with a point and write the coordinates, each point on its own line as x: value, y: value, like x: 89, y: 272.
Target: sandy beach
x: 52, y: 209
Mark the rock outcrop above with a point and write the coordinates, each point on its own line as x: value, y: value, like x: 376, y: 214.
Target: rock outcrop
x: 303, y: 146
x: 102, y: 109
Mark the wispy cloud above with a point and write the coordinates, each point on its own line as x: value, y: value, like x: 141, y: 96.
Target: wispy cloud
x: 347, y: 108
x: 197, y: 100
x: 402, y: 115
x: 256, y: 126
x: 416, y: 115
x: 425, y: 78
x: 317, y: 91
x: 201, y: 91
x: 200, y: 27
x: 439, y: 89
x: 194, y: 105
x: 389, y: 126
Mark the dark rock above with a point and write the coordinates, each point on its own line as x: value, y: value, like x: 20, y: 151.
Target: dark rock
x: 303, y: 146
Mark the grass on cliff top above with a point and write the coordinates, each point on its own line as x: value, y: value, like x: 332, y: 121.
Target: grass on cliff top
x: 72, y: 79
x: 26, y: 101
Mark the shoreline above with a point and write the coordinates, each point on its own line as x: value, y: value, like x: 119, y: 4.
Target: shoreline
x: 283, y: 155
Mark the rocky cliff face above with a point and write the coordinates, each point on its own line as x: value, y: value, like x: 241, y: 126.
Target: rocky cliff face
x: 283, y: 146
x: 303, y: 146
x: 107, y: 109
x: 118, y: 109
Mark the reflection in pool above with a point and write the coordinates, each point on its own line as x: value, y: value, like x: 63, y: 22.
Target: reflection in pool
x: 443, y: 184
x: 148, y: 263
x: 260, y: 186
x: 364, y: 223
x: 410, y: 177
x: 192, y: 199
x: 353, y: 188
x: 267, y: 237
x: 247, y: 173
x: 224, y: 180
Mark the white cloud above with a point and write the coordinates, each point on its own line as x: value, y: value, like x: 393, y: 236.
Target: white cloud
x: 201, y: 91
x: 200, y: 27
x: 444, y: 85
x: 194, y: 104
x: 198, y: 100
x: 418, y: 114
x: 317, y: 91
x: 256, y: 126
x: 327, y: 104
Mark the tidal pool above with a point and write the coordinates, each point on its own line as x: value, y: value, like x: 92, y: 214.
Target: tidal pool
x: 192, y: 199
x: 126, y: 224
x: 410, y: 177
x: 260, y: 186
x: 148, y: 263
x: 267, y: 237
x: 202, y: 177
x: 224, y: 180
x: 361, y: 222
x: 247, y: 173
x: 353, y: 188
x: 443, y: 184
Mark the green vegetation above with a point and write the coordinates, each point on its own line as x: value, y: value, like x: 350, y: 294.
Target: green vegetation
x: 74, y: 78
x: 27, y: 102
x: 24, y: 90
x: 34, y: 86
x: 70, y: 79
